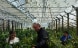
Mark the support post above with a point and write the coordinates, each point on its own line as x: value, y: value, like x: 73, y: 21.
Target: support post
x: 56, y: 25
x: 15, y: 25
x: 21, y: 25
x: 77, y: 20
x: 62, y: 24
x: 59, y: 23
x: 3, y: 28
x: 8, y: 25
x: 12, y: 25
x: 76, y: 9
x: 68, y: 21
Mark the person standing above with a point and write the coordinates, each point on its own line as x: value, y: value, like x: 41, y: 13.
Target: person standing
x: 42, y: 37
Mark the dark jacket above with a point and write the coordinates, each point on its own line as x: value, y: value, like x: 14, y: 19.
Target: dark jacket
x: 42, y: 39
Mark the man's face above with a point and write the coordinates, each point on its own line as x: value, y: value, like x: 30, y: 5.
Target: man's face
x: 65, y: 34
x: 13, y: 36
x: 36, y: 27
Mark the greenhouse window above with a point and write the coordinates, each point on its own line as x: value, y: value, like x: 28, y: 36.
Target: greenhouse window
x: 10, y: 0
x: 21, y: 2
x: 28, y: 1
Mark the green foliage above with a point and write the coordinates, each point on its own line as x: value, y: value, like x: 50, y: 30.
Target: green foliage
x: 28, y: 38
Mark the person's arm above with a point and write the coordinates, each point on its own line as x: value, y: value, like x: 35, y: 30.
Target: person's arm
x: 69, y: 37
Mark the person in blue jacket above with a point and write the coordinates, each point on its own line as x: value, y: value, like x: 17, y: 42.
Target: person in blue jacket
x: 65, y: 38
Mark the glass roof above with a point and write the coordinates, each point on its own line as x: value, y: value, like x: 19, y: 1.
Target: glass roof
x: 43, y: 11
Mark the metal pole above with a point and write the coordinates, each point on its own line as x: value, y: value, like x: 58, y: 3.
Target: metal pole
x: 76, y: 9
x: 68, y: 21
x: 59, y: 24
x: 77, y: 20
x: 58, y: 21
x: 12, y: 25
x: 62, y: 24
x: 21, y: 25
x: 8, y: 25
x: 51, y: 17
x: 15, y: 25
x: 18, y: 25
x: 44, y: 8
x: 3, y: 25
x: 56, y: 25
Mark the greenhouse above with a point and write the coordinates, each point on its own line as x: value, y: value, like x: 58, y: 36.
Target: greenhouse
x: 38, y: 23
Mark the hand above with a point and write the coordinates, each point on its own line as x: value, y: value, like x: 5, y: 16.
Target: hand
x: 33, y: 47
